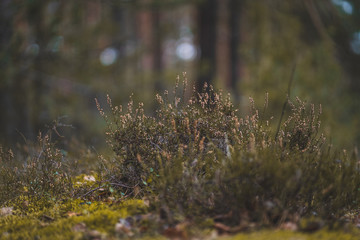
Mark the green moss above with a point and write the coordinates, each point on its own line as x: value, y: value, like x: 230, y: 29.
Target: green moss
x: 206, y: 223
x: 69, y: 220
x: 287, y: 235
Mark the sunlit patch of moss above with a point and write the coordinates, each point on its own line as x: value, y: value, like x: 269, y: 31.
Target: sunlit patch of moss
x: 287, y: 235
x: 31, y: 227
x: 69, y: 220
x: 85, y: 180
x: 24, y: 204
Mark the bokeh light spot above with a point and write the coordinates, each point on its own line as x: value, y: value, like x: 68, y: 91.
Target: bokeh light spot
x: 186, y: 51
x: 33, y: 49
x: 345, y: 5
x: 108, y: 56
x: 355, y: 43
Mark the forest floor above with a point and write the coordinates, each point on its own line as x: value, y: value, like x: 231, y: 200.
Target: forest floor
x: 195, y: 171
x: 134, y: 219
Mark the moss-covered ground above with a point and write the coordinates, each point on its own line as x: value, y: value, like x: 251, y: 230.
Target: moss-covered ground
x: 132, y: 218
x: 71, y: 220
x: 289, y: 235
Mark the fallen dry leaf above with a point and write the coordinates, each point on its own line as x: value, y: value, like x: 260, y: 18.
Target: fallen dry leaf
x: 224, y: 228
x: 80, y: 227
x: 177, y: 232
x: 5, y: 211
x: 124, y: 226
x: 73, y: 214
x: 93, y: 235
x: 289, y: 226
x: 89, y: 178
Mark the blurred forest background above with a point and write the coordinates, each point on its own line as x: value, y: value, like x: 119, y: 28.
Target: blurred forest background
x: 57, y: 56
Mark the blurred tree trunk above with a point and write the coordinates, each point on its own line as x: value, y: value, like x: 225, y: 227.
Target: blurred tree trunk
x: 42, y: 35
x: 223, y: 51
x: 150, y: 35
x: 157, y: 49
x: 349, y: 60
x: 15, y: 88
x: 145, y: 33
x: 325, y: 16
x: 206, y: 24
x: 235, y: 8
x: 6, y: 104
x: 228, y: 42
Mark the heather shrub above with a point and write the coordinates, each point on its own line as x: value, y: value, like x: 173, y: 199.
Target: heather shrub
x: 143, y: 143
x: 199, y: 157
x: 41, y: 174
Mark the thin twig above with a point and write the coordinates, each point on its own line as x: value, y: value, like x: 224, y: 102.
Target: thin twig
x: 22, y: 135
x: 122, y: 185
x: 155, y: 145
x: 92, y: 190
x: 287, y: 99
x: 316, y: 19
x: 114, y: 184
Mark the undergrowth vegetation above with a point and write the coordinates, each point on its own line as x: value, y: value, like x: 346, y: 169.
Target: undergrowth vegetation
x: 42, y: 174
x: 197, y: 159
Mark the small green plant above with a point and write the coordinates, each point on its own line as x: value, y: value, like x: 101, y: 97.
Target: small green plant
x: 198, y: 157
